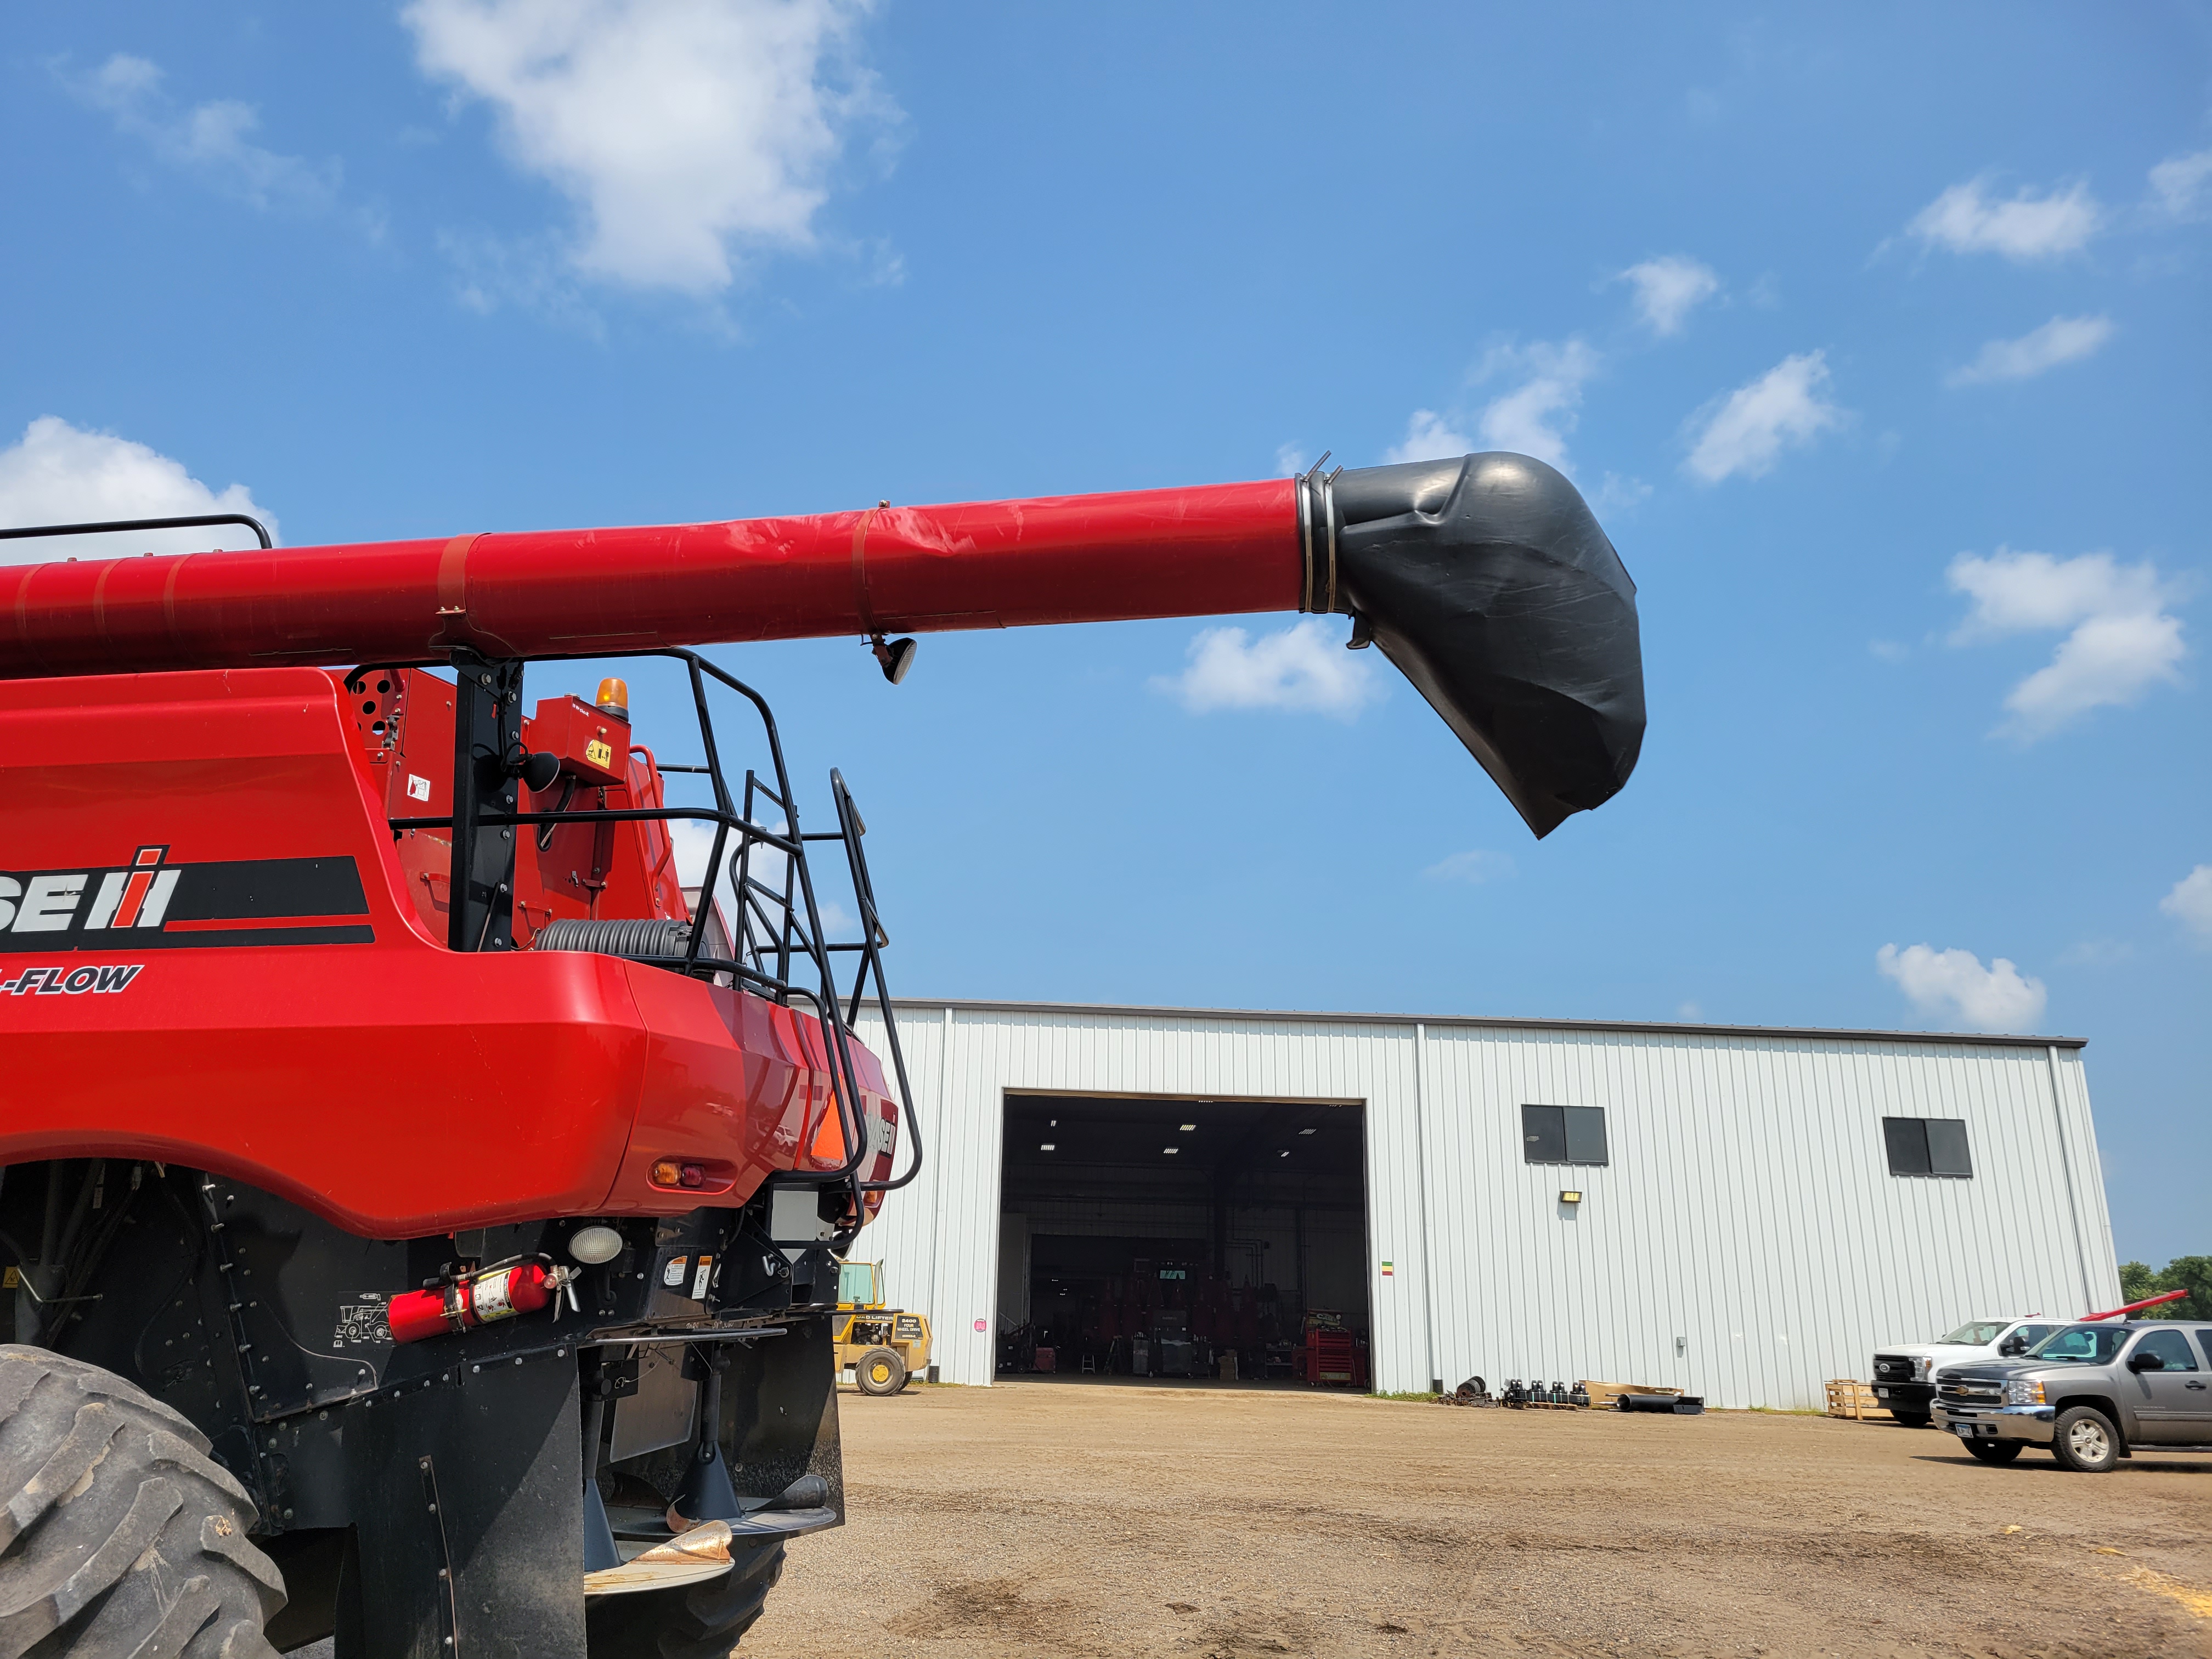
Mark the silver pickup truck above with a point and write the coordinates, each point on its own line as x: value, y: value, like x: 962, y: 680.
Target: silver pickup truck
x: 2092, y: 1392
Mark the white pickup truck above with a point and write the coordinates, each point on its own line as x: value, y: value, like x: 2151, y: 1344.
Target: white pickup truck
x: 1904, y: 1372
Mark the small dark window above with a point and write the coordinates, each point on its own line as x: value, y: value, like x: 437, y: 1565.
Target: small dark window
x: 2205, y: 1337
x: 1563, y: 1134
x: 1927, y: 1147
x: 2172, y: 1346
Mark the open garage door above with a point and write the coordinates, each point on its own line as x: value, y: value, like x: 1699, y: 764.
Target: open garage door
x: 1224, y: 1240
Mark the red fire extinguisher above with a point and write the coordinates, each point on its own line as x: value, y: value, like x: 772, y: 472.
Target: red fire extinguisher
x: 477, y: 1298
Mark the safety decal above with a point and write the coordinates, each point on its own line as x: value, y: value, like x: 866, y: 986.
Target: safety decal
x: 598, y: 754
x: 57, y: 980
x: 151, y: 904
x: 672, y: 1275
x: 703, y: 1277
x: 361, y: 1324
x: 418, y: 788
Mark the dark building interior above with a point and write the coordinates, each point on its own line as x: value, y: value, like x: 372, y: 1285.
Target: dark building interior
x: 1184, y: 1238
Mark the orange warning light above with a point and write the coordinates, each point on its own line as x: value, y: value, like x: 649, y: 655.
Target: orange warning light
x: 614, y: 697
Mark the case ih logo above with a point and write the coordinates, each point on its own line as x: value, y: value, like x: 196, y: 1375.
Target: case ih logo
x: 152, y: 903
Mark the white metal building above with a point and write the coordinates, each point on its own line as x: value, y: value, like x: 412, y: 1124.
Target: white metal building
x: 1747, y: 1237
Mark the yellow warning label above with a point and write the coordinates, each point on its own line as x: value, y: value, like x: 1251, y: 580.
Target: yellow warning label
x: 599, y: 754
x: 9, y: 1279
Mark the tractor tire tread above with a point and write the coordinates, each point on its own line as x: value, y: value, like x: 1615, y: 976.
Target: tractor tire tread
x: 122, y: 1537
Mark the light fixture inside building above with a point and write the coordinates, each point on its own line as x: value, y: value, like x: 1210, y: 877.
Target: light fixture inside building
x: 1282, y: 1154
x: 1185, y: 1127
x: 1170, y: 1149
x: 1308, y: 1132
x: 1047, y: 1146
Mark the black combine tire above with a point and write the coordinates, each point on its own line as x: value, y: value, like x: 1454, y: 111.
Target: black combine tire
x: 1914, y: 1419
x: 879, y: 1371
x: 698, y: 1621
x: 120, y: 1538
x: 1995, y: 1451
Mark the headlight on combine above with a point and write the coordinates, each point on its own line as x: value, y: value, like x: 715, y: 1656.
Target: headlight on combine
x: 2023, y: 1391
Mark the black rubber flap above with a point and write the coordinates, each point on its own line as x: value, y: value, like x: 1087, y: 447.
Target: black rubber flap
x: 1487, y: 580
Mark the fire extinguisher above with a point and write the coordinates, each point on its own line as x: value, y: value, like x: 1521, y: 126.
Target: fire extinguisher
x: 477, y: 1298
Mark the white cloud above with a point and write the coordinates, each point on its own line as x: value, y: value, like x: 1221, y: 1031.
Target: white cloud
x: 2061, y: 340
x: 61, y: 474
x: 684, y: 134
x: 1474, y: 867
x: 1668, y: 290
x: 1954, y: 985
x: 2189, y: 903
x: 1429, y: 438
x: 1291, y: 460
x: 2180, y: 183
x: 1788, y: 406
x: 1303, y: 668
x: 212, y: 140
x: 2025, y: 227
x: 1535, y: 416
x: 1889, y: 650
x: 1616, y: 494
x: 2122, y: 639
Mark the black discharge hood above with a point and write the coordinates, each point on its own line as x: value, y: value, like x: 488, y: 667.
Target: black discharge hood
x: 1488, y: 582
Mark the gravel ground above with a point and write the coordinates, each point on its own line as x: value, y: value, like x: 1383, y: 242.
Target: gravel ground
x: 1069, y: 1518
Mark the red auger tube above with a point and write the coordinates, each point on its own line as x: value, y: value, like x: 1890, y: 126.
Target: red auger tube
x: 2132, y: 1307
x: 1224, y: 549
x: 1485, y: 580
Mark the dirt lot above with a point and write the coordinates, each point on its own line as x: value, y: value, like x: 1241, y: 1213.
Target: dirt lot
x: 1060, y: 1518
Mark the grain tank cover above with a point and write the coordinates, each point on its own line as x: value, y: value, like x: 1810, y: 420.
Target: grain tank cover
x: 1488, y: 582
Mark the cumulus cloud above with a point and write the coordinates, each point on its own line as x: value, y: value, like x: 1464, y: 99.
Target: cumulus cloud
x: 684, y: 134
x: 1668, y: 290
x: 2061, y: 340
x: 1786, y: 407
x: 2182, y: 184
x: 1303, y: 668
x: 212, y: 140
x: 1430, y: 437
x: 1955, y: 987
x: 1291, y: 460
x: 56, y: 473
x: 1535, y: 417
x: 2024, y: 227
x: 1474, y: 867
x: 2122, y: 639
x: 2189, y: 903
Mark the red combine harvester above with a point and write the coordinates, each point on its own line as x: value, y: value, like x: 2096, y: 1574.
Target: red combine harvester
x: 420, y: 1214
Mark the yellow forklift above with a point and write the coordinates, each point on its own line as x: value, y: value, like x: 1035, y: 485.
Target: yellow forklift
x: 884, y: 1345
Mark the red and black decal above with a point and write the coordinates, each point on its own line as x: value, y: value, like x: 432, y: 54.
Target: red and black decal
x: 150, y: 902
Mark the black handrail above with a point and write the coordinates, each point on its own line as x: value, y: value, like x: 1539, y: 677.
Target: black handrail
x: 790, y: 936
x: 190, y: 521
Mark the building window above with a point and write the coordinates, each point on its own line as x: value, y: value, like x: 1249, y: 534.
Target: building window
x: 1563, y: 1134
x: 1927, y: 1147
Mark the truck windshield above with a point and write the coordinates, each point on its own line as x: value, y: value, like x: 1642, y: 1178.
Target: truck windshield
x: 2079, y: 1345
x: 1978, y: 1334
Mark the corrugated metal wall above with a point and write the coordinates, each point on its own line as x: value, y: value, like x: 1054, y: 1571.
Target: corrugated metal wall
x: 1746, y: 1241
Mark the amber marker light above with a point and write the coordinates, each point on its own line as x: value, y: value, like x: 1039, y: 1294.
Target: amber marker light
x: 614, y: 698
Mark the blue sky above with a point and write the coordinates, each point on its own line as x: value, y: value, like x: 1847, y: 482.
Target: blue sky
x: 1879, y: 345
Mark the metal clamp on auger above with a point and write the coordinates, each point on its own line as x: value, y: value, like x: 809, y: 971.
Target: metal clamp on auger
x: 1317, y: 527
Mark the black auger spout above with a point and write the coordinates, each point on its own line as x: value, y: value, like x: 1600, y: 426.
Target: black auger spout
x: 1488, y: 582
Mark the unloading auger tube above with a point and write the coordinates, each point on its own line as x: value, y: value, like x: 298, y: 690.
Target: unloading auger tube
x: 1485, y: 580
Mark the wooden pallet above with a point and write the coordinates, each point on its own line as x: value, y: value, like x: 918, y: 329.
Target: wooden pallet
x: 1848, y: 1397
x: 1602, y: 1395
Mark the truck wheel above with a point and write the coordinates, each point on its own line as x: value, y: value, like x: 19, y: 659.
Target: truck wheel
x: 118, y: 1534
x: 2084, y: 1440
x: 1995, y: 1451
x: 1913, y: 1419
x: 699, y: 1621
x: 879, y: 1371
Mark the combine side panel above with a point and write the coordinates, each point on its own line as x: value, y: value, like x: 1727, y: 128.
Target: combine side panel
x: 205, y: 959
